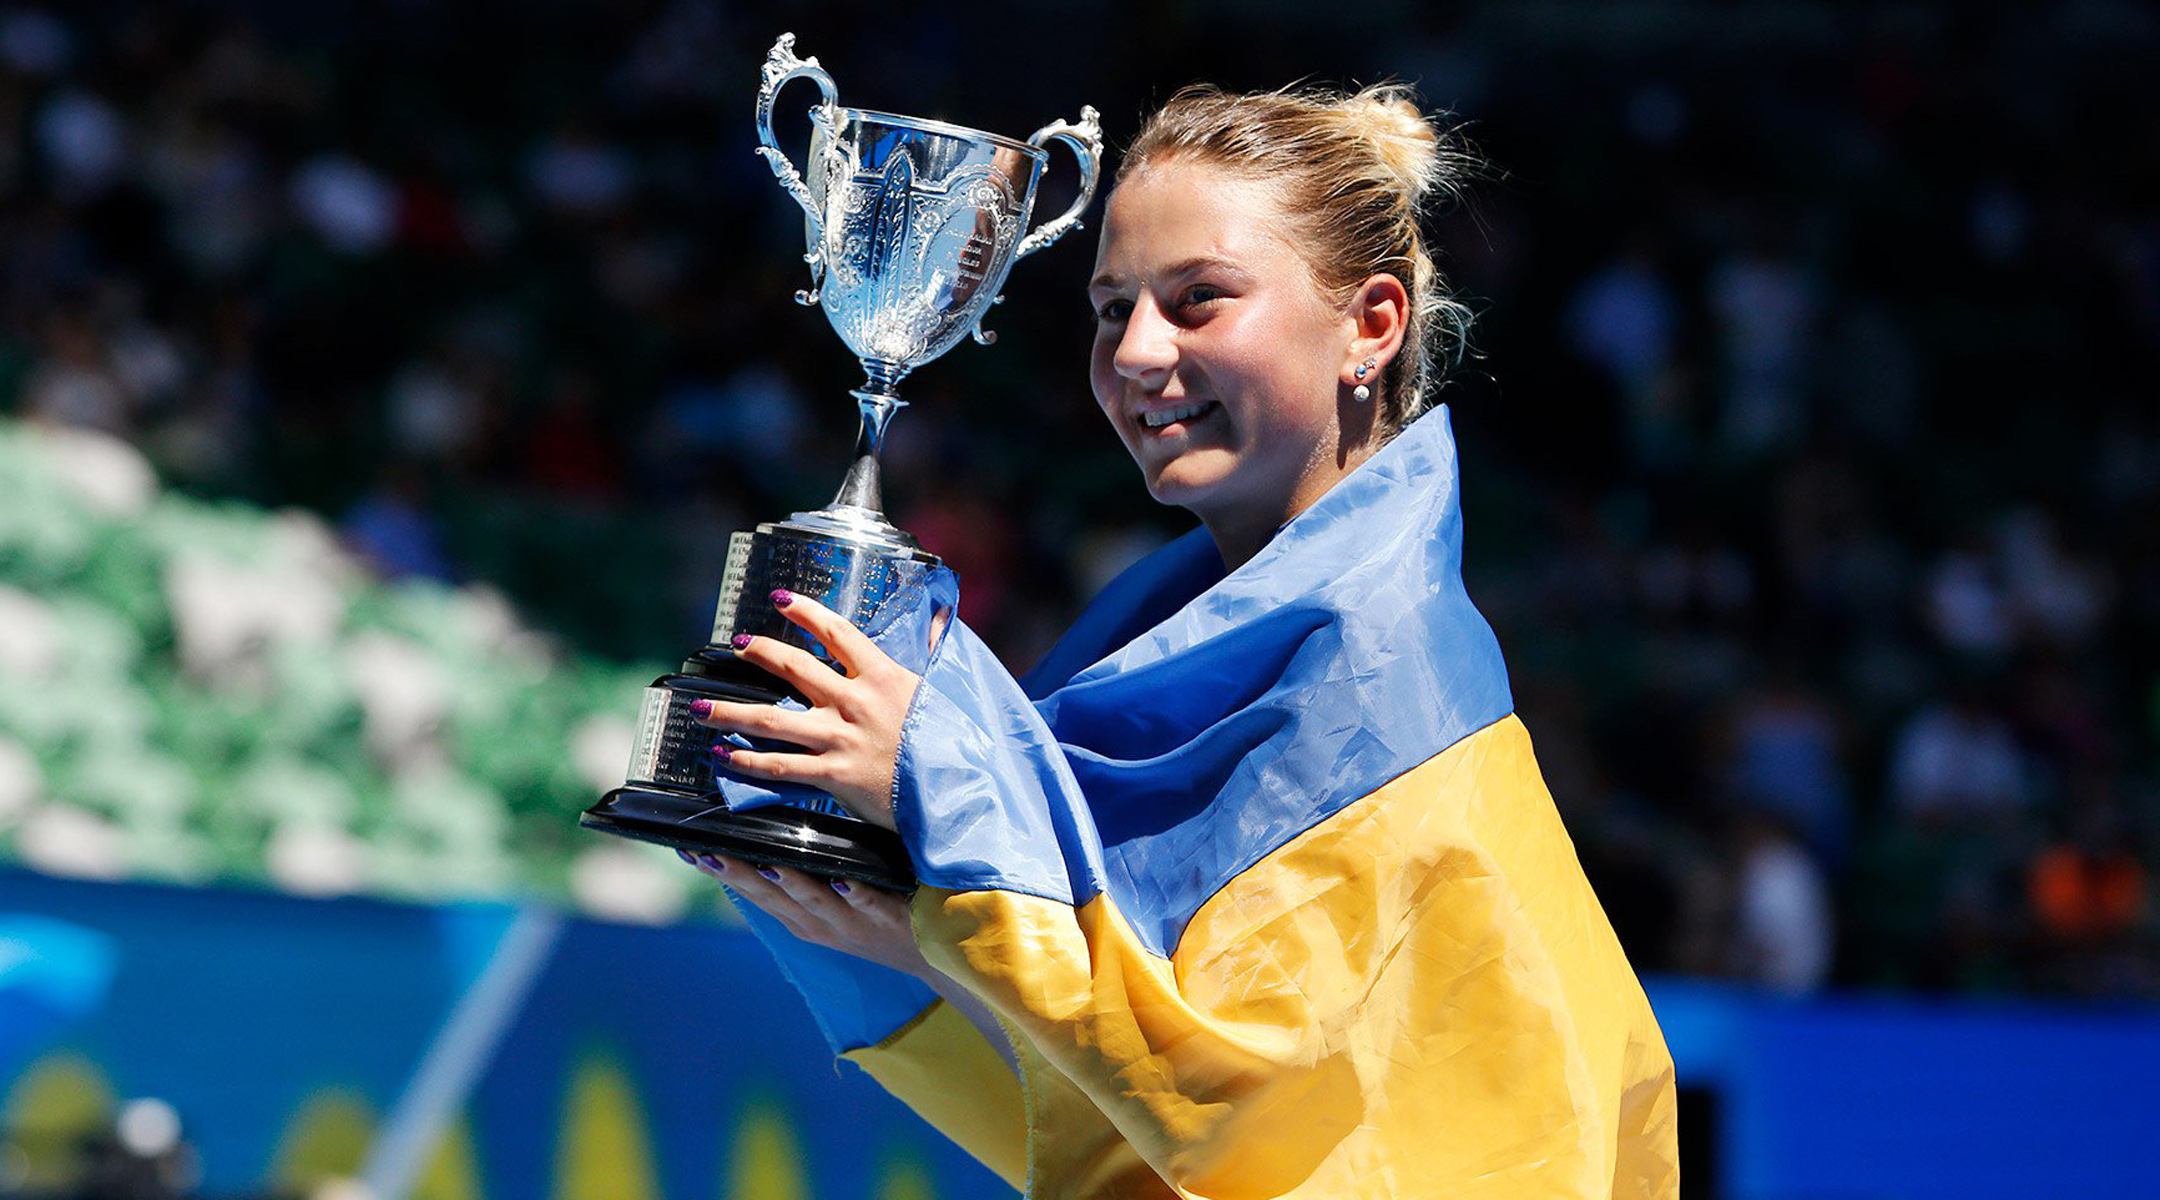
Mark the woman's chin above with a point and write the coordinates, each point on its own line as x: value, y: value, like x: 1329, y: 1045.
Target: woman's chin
x: 1184, y: 485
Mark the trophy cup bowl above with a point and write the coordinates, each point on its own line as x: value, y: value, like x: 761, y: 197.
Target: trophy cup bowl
x: 911, y: 228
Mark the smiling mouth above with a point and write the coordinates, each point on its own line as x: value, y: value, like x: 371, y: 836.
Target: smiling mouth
x: 1164, y: 417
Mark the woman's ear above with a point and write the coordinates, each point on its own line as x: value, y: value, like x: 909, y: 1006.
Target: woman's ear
x: 1380, y: 317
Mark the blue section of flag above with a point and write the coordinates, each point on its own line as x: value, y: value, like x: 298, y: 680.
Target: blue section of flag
x: 1176, y: 754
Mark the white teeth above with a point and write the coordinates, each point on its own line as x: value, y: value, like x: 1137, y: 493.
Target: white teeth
x: 1162, y: 417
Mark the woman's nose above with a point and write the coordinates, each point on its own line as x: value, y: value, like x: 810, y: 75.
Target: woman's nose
x: 1147, y: 347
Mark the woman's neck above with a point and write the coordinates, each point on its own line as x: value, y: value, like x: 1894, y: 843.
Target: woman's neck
x: 1243, y: 530
x: 1239, y: 540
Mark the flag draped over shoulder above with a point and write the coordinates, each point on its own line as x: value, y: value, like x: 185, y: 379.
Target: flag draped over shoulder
x: 1259, y: 874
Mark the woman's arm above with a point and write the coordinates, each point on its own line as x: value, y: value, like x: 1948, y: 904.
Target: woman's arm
x: 867, y: 922
x: 949, y: 1061
x: 952, y: 1062
x: 852, y: 734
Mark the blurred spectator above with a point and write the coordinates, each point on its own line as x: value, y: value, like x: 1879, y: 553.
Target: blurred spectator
x: 74, y: 383
x: 567, y: 449
x: 347, y: 204
x: 2088, y: 890
x: 1968, y: 607
x: 1957, y: 761
x: 1782, y: 923
x: 1764, y: 305
x: 394, y: 529
x: 976, y: 537
x: 217, y: 188
x: 1696, y: 578
x: 577, y: 174
x: 2090, y: 895
x: 436, y: 409
x: 84, y: 143
x: 755, y: 421
x: 2052, y: 592
x: 35, y: 43
x: 1785, y: 764
x: 1879, y: 386
x: 1623, y: 320
x: 209, y: 439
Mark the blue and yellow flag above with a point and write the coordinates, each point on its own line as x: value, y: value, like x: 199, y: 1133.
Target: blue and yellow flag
x: 1259, y: 873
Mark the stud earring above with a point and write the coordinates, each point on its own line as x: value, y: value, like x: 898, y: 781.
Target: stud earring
x: 1361, y: 392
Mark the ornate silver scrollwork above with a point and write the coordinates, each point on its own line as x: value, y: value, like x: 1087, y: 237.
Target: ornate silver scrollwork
x: 1085, y: 138
x: 780, y: 67
x: 912, y: 225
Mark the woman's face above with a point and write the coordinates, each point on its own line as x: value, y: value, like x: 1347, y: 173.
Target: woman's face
x: 1216, y: 357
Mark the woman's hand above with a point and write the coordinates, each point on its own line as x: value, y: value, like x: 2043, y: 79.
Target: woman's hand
x: 850, y: 737
x: 853, y: 918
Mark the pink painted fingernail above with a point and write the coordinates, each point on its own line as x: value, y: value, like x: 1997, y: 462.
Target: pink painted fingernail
x: 723, y: 751
x: 771, y: 876
x: 701, y: 709
x: 740, y: 641
x: 840, y: 886
x: 782, y: 597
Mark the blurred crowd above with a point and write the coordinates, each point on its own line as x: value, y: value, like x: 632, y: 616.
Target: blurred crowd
x: 1812, y: 458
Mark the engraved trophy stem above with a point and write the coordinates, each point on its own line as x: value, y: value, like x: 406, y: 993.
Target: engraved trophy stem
x: 910, y: 228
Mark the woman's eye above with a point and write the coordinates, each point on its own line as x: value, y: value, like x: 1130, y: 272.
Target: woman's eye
x: 1113, y: 310
x: 1202, y: 295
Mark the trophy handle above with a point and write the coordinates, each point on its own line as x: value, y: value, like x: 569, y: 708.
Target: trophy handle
x: 781, y: 66
x: 1085, y: 139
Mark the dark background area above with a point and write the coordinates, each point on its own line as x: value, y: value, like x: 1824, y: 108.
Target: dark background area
x: 1812, y: 457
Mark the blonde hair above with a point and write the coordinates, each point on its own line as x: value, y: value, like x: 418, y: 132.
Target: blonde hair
x: 1356, y: 172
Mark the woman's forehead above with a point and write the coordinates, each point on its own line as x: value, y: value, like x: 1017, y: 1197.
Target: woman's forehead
x: 1184, y: 209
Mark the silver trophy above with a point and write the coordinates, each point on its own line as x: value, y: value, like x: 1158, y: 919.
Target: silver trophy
x: 911, y: 227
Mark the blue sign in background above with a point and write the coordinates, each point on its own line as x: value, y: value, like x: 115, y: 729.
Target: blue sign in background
x: 676, y: 1062
x: 246, y: 1009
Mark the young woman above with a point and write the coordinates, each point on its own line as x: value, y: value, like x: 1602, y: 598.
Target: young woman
x: 1253, y: 888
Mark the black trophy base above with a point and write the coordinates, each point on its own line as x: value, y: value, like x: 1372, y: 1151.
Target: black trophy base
x: 819, y: 843
x: 679, y: 806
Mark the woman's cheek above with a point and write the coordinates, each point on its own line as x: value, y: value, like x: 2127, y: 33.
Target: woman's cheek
x: 1106, y: 400
x: 1102, y: 376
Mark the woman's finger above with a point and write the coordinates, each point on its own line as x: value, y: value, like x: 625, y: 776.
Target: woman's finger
x: 850, y: 647
x: 769, y: 721
x: 760, y: 886
x: 756, y: 883
x: 809, y: 674
x: 826, y: 911
x: 874, y: 903
x: 816, y: 896
x: 810, y: 769
x: 853, y: 918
